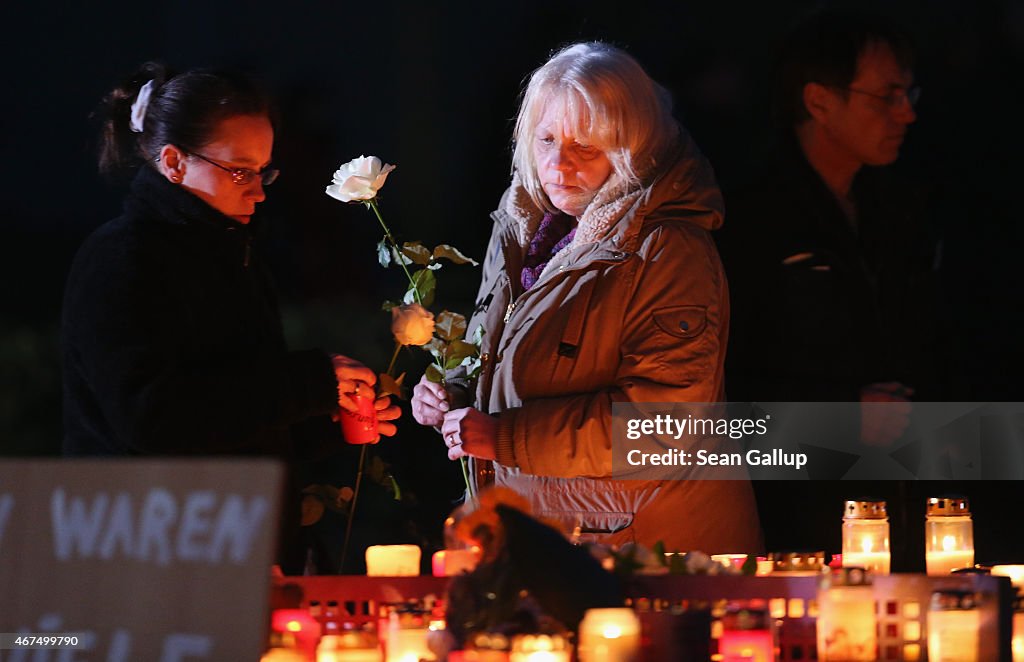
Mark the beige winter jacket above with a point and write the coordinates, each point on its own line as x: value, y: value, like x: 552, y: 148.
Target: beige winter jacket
x: 635, y: 309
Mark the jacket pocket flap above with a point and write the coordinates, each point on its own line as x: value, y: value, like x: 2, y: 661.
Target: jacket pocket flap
x: 682, y: 321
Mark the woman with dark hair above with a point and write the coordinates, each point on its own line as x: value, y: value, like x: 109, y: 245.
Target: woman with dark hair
x: 601, y: 285
x: 171, y: 336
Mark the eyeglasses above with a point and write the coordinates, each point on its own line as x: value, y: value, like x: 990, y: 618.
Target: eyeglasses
x: 243, y: 176
x: 895, y: 98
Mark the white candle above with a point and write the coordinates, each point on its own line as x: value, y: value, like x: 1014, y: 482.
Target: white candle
x: 953, y: 635
x: 1014, y: 572
x: 539, y: 648
x: 408, y: 645
x: 866, y: 536
x: 876, y: 562
x: 451, y: 562
x: 392, y: 561
x: 943, y: 563
x: 609, y: 635
x: 846, y: 624
x: 949, y: 558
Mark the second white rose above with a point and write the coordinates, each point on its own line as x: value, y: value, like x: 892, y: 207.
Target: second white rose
x: 412, y: 324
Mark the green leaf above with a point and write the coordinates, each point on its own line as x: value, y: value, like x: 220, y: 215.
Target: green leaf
x: 433, y: 374
x: 478, y: 335
x: 459, y: 350
x: 426, y: 284
x: 390, y: 386
x: 626, y: 564
x: 448, y: 252
x: 659, y: 552
x: 388, y: 305
x: 436, y: 347
x: 450, y: 326
x: 416, y: 252
x: 383, y: 253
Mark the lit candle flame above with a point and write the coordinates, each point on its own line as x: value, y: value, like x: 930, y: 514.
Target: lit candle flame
x: 612, y: 632
x: 294, y: 626
x: 948, y: 543
x: 866, y: 544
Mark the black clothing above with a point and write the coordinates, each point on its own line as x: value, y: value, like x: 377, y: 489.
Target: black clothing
x: 824, y: 305
x: 172, y: 341
x: 172, y: 345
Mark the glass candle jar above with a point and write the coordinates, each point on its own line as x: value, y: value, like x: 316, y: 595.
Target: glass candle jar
x: 948, y: 535
x: 609, y: 635
x: 846, y: 624
x: 866, y: 536
x: 747, y: 636
x: 798, y: 563
x: 953, y: 623
x: 540, y: 648
x: 407, y: 637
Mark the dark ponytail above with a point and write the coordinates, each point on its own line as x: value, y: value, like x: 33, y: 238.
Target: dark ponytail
x: 184, y: 110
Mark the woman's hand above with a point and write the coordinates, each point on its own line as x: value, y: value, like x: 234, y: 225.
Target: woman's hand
x: 386, y: 412
x: 469, y: 431
x: 350, y: 375
x: 429, y: 403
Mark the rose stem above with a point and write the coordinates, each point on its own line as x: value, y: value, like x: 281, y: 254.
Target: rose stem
x: 398, y: 252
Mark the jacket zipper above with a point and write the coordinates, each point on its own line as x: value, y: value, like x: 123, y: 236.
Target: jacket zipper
x: 616, y: 256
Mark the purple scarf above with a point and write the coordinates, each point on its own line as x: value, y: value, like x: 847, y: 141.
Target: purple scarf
x: 555, y: 232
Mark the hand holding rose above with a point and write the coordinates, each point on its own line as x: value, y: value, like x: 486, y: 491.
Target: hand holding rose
x: 429, y: 403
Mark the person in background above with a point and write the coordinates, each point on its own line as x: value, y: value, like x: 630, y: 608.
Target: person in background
x: 171, y: 338
x: 829, y: 258
x: 601, y: 284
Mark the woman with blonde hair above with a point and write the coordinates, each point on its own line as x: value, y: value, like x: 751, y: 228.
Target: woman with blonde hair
x: 601, y: 284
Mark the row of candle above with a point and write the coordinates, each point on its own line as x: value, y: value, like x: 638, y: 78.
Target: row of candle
x: 847, y: 627
x: 404, y: 561
x: 845, y: 621
x: 605, y: 635
x: 949, y: 535
x: 949, y: 543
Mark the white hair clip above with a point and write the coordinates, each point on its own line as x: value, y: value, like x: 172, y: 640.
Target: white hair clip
x: 140, y: 106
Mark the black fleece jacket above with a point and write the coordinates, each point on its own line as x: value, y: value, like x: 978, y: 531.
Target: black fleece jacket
x: 172, y: 341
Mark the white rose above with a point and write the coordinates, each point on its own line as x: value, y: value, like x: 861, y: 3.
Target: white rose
x: 359, y: 179
x: 412, y: 324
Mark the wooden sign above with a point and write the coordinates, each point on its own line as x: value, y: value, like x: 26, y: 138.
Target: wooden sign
x: 138, y: 559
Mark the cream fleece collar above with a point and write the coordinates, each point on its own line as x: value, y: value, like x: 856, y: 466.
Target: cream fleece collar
x: 610, y: 204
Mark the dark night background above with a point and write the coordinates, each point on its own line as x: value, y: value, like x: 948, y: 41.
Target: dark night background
x: 433, y: 89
